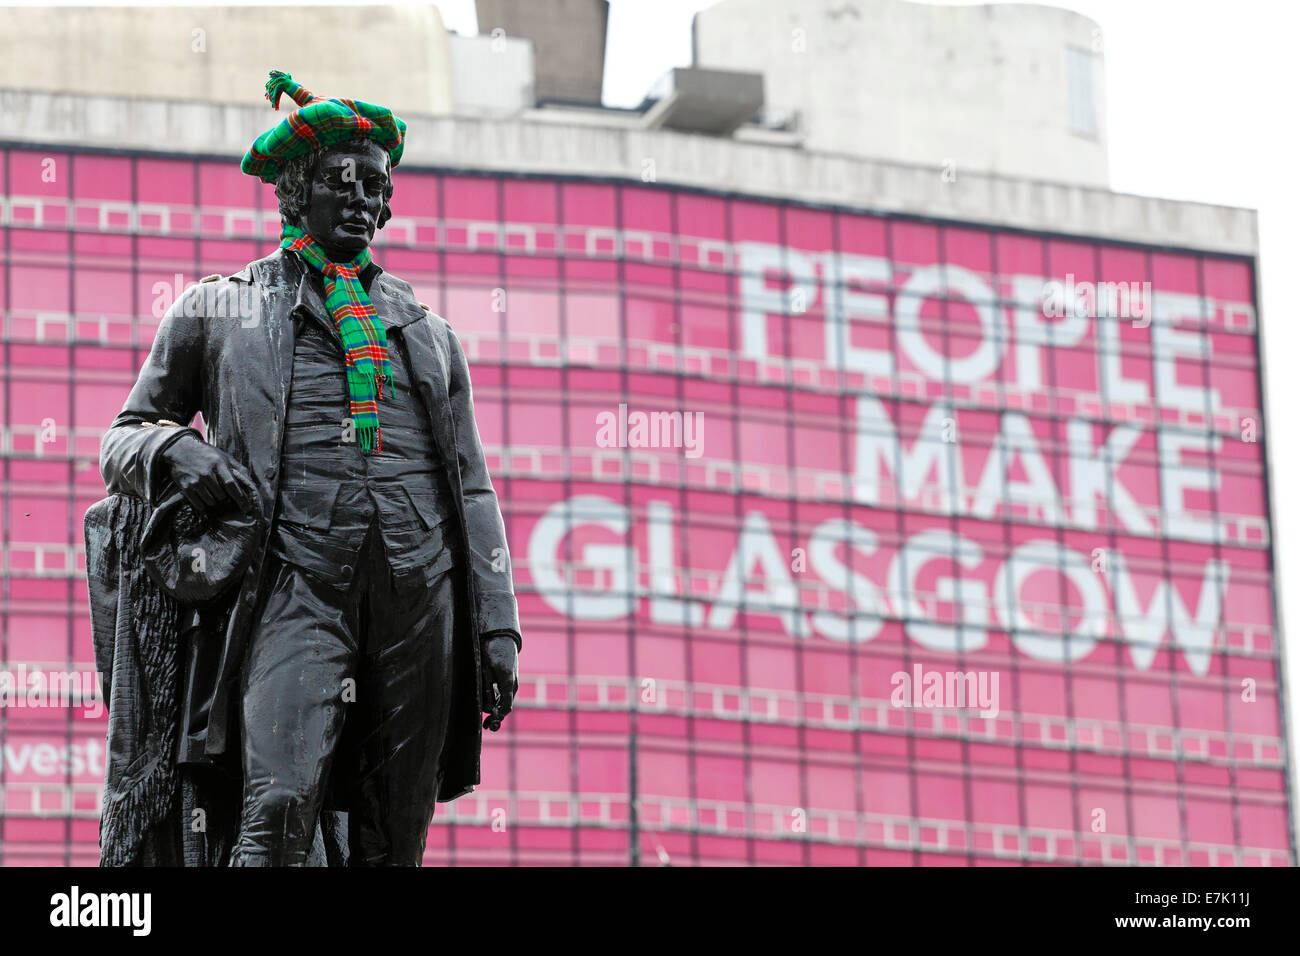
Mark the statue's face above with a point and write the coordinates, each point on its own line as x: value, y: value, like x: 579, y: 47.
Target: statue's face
x: 347, y: 196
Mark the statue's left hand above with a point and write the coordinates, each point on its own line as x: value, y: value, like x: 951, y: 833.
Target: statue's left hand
x: 500, y: 667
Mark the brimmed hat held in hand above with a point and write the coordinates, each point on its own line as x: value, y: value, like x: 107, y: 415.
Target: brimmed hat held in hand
x: 197, y: 557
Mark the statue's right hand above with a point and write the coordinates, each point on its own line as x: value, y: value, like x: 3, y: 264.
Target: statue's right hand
x: 208, y: 478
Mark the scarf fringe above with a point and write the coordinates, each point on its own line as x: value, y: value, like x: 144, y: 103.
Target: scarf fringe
x: 146, y: 801
x: 368, y: 439
x: 280, y: 83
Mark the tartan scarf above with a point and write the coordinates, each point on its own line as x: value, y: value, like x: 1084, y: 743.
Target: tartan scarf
x: 365, y: 343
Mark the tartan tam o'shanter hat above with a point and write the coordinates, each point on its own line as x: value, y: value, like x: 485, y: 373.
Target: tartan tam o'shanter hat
x: 319, y: 123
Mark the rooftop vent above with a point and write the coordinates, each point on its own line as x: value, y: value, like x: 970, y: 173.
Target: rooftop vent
x: 696, y: 100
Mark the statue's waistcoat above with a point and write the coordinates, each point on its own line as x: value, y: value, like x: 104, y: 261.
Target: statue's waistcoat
x: 330, y: 491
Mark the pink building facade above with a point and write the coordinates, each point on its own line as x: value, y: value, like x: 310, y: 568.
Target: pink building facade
x: 839, y: 537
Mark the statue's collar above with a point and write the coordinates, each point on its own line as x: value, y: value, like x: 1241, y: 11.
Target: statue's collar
x: 368, y: 275
x: 393, y: 308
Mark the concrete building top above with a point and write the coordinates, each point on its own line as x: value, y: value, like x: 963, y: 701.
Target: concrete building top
x: 568, y: 37
x: 590, y: 146
x: 224, y: 53
x: 1008, y: 89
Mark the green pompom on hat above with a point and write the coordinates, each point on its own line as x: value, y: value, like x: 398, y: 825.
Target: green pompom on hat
x: 318, y: 123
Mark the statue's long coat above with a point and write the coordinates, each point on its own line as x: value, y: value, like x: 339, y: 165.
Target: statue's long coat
x: 225, y: 349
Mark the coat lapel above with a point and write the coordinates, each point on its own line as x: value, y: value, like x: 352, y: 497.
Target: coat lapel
x: 396, y: 310
x: 308, y: 302
x: 428, y: 371
x: 280, y: 328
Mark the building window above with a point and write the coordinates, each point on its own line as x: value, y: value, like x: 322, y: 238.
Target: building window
x: 1078, y: 83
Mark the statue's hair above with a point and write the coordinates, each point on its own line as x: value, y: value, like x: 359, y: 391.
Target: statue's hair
x: 293, y: 185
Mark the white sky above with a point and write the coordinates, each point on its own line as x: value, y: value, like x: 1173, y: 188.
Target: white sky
x: 1200, y: 102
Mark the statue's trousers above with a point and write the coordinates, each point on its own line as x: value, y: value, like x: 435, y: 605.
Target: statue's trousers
x: 358, y: 675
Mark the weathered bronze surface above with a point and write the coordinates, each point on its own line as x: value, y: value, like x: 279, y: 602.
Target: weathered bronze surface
x: 315, y: 710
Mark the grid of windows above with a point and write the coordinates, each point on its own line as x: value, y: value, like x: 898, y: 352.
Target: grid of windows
x: 838, y: 538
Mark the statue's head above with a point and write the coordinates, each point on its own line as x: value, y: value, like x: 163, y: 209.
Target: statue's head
x: 338, y: 195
